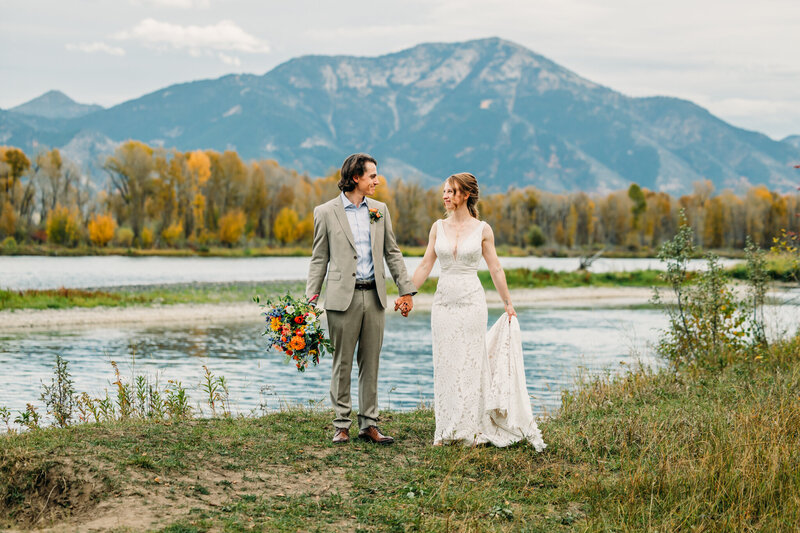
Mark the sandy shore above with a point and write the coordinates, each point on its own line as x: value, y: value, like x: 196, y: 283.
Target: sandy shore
x: 204, y: 314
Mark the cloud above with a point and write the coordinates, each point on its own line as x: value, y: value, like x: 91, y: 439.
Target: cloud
x: 224, y: 36
x: 177, y: 4
x: 229, y: 60
x: 91, y: 48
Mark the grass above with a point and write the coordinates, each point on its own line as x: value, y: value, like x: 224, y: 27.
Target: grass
x: 649, y: 451
x: 243, y: 291
x: 778, y: 268
x: 146, y: 295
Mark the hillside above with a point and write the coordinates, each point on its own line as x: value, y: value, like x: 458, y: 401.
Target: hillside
x: 492, y: 107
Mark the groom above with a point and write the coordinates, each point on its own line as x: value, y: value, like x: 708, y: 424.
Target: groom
x: 352, y: 237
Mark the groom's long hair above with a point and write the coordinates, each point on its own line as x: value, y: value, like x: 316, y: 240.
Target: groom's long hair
x: 467, y: 184
x: 353, y: 167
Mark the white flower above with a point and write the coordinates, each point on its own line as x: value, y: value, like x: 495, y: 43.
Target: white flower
x: 290, y: 309
x: 311, y: 318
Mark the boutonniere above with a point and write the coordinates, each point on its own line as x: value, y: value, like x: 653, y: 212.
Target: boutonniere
x: 374, y: 215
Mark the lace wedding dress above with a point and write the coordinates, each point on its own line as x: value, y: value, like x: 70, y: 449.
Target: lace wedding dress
x: 480, y: 395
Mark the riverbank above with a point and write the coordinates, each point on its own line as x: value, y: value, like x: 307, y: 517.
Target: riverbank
x: 295, y: 251
x: 241, y: 310
x: 707, y: 450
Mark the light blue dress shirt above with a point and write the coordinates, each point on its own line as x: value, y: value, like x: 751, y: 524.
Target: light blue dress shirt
x: 358, y: 216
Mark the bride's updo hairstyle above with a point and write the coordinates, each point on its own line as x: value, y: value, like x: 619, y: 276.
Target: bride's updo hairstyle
x: 467, y: 184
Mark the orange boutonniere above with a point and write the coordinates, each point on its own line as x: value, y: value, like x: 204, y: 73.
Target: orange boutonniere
x: 374, y: 215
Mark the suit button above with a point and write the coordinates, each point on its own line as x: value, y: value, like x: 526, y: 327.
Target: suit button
x: 355, y: 257
x: 354, y: 274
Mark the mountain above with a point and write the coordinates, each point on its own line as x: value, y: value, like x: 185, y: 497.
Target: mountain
x: 793, y: 140
x: 55, y: 104
x: 491, y: 107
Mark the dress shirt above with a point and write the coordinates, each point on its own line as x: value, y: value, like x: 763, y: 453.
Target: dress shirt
x: 358, y: 217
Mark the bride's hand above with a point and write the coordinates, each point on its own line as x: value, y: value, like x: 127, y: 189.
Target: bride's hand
x: 510, y: 311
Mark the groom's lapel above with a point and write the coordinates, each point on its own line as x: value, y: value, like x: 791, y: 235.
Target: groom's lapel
x: 373, y: 232
x: 338, y: 210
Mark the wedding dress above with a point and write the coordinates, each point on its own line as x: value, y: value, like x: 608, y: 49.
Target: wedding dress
x: 480, y: 395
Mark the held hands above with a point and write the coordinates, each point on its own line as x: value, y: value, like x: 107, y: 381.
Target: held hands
x: 510, y: 310
x: 404, y: 304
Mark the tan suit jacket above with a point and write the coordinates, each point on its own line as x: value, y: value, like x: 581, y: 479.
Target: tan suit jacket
x: 334, y: 254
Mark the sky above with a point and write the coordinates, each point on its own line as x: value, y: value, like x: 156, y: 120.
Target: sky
x: 740, y: 59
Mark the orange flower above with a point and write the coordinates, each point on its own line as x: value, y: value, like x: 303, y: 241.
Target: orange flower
x: 297, y: 343
x: 275, y: 324
x: 374, y: 215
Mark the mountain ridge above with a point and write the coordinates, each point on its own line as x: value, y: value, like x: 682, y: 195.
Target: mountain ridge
x: 55, y: 104
x: 489, y: 106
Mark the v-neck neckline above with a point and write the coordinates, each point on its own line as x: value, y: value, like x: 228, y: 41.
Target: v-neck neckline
x: 454, y: 249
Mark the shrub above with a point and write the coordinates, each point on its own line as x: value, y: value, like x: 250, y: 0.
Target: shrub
x: 101, y: 229
x: 231, y: 227
x: 536, y: 236
x: 124, y: 237
x: 172, y: 234
x: 147, y: 238
x: 63, y: 225
x: 708, y: 325
x: 286, y: 226
x: 9, y: 243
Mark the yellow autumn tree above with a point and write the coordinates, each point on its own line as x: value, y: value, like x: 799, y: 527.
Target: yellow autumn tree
x: 63, y: 225
x: 305, y: 229
x: 199, y: 166
x: 101, y: 229
x: 231, y: 226
x: 8, y: 220
x: 286, y: 226
x: 172, y: 234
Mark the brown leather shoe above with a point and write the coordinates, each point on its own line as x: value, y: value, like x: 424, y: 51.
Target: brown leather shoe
x: 373, y: 434
x: 341, y: 436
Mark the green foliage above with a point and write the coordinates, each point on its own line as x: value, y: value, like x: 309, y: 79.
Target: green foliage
x: 536, y: 237
x: 124, y: 237
x: 63, y: 226
x: 708, y: 323
x: 757, y: 278
x: 5, y: 416
x: 9, y: 243
x: 177, y: 400
x: 28, y: 418
x: 216, y: 390
x: 59, y: 396
x: 777, y: 267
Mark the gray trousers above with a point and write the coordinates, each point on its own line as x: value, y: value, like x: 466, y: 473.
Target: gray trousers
x: 361, y: 324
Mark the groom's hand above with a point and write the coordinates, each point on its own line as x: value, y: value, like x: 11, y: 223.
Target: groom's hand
x: 404, y: 304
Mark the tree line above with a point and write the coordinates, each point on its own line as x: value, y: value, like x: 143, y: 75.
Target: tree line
x: 159, y: 198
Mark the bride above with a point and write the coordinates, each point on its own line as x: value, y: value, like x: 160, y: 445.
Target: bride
x: 480, y: 394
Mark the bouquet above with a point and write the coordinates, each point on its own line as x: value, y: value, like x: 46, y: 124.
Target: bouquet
x: 294, y: 328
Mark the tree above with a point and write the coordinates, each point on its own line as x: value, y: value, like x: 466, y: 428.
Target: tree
x: 8, y: 220
x: 15, y: 163
x: 231, y: 227
x: 286, y: 230
x: 132, y: 170
x: 101, y: 229
x: 57, y: 181
x: 63, y: 225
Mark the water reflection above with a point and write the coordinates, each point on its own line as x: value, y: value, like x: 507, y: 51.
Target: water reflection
x: 558, y: 344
